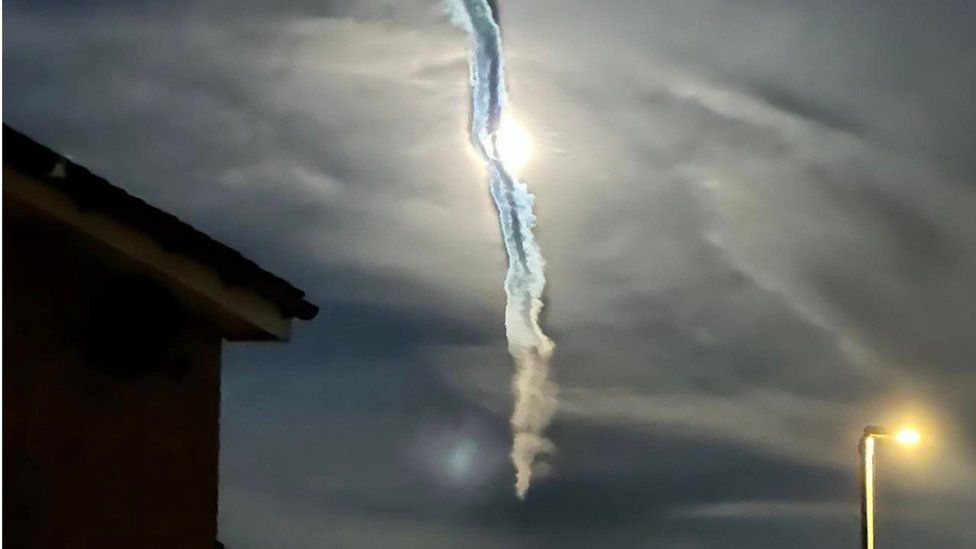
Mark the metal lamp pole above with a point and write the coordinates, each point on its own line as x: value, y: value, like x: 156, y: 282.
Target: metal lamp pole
x: 871, y: 435
x: 866, y: 447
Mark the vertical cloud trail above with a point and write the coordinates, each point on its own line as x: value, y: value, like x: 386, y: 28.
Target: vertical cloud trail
x: 535, y: 393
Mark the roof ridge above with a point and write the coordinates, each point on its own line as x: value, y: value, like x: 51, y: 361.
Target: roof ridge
x: 91, y: 191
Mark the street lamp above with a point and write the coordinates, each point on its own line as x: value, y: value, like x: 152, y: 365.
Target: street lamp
x: 871, y: 434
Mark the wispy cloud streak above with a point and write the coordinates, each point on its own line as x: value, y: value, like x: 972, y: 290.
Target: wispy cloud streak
x: 535, y: 393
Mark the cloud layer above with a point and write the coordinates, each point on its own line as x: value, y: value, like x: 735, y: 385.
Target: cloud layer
x: 779, y: 208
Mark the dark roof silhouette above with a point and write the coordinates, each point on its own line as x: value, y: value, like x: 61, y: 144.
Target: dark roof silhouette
x: 91, y: 192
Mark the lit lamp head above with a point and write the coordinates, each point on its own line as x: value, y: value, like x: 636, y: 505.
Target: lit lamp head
x: 908, y: 436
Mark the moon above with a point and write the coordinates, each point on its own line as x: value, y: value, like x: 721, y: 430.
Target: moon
x: 512, y: 144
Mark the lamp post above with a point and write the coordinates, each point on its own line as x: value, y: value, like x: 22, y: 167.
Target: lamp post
x: 866, y: 447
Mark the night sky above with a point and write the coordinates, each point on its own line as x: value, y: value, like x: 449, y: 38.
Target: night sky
x: 759, y: 219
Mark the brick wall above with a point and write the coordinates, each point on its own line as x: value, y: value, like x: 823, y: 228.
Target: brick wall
x: 111, y: 399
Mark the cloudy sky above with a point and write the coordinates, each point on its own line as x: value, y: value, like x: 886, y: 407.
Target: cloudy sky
x: 760, y: 224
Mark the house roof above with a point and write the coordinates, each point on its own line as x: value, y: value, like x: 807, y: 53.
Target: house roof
x: 93, y: 193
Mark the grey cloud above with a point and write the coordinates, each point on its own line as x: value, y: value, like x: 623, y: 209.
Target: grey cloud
x: 756, y: 218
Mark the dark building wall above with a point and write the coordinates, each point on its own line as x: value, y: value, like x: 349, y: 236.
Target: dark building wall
x: 111, y: 394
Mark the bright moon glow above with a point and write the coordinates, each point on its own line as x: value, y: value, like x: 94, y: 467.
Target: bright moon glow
x: 512, y: 144
x: 909, y: 437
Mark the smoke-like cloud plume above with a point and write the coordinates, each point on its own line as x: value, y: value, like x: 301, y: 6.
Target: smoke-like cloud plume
x: 535, y: 393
